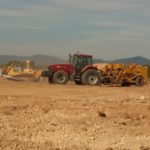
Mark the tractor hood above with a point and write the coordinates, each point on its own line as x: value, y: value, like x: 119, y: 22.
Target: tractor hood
x: 65, y: 67
x: 61, y: 65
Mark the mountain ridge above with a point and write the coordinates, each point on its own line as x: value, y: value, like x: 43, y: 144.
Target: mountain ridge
x: 40, y: 60
x: 136, y: 60
x: 45, y: 60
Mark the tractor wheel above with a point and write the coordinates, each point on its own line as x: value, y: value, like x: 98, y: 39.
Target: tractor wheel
x: 139, y: 81
x: 91, y: 77
x: 60, y: 77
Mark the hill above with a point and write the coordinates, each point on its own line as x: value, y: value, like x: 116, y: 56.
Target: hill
x: 99, y: 61
x: 43, y: 60
x: 137, y: 60
x: 40, y: 60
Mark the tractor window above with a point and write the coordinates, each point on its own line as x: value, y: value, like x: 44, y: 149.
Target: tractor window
x: 89, y: 61
x: 74, y: 60
x: 78, y: 60
x: 85, y: 60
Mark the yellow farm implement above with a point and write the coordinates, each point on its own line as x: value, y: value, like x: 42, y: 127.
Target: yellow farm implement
x: 18, y: 71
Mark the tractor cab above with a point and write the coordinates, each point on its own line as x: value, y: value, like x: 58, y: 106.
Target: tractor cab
x: 79, y: 61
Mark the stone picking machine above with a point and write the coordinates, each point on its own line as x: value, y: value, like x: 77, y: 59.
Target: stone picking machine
x: 123, y: 75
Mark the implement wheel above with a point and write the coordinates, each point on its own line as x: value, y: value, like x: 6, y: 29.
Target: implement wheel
x: 91, y: 77
x: 60, y: 77
x: 139, y: 81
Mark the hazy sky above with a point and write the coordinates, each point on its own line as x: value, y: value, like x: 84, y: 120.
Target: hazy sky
x: 107, y: 29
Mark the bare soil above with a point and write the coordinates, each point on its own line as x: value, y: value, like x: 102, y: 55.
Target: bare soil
x: 69, y: 117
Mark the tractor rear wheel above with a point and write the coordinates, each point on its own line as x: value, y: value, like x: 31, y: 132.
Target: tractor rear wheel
x: 60, y: 77
x: 91, y: 77
x: 139, y: 81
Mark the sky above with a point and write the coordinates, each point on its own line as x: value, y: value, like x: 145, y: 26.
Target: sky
x: 107, y: 29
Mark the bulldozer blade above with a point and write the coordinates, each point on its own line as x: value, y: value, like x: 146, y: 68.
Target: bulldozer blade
x: 12, y: 78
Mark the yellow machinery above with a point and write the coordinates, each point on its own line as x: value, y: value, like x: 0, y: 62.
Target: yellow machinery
x: 17, y: 71
x: 124, y: 75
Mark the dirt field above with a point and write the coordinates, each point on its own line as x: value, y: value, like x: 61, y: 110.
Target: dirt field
x: 70, y: 117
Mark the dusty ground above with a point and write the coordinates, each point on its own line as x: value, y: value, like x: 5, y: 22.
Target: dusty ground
x: 70, y: 117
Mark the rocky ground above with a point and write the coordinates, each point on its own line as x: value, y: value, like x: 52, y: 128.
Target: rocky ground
x: 69, y: 117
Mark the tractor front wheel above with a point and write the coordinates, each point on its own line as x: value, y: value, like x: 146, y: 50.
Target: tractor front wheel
x: 91, y: 77
x: 60, y: 77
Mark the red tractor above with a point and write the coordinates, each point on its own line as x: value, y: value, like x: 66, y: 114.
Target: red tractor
x: 80, y: 69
